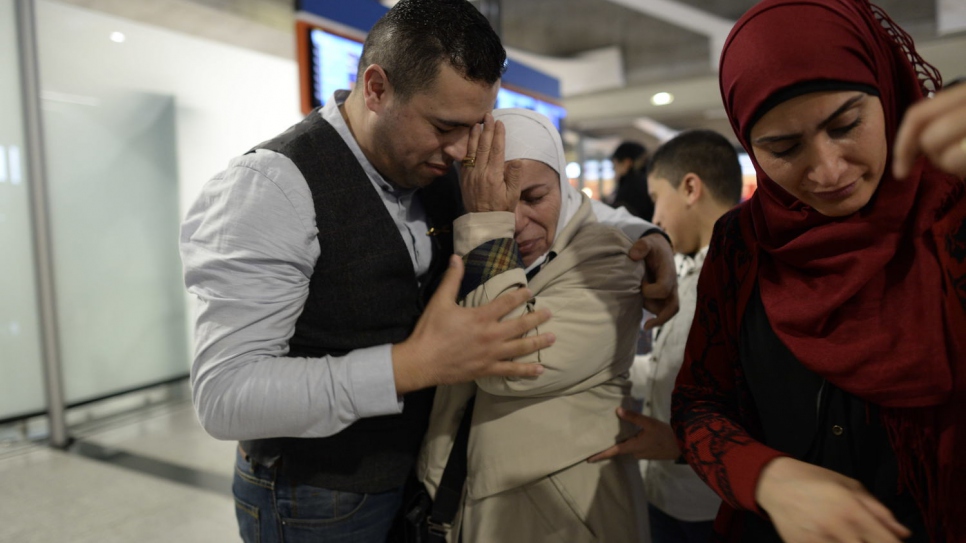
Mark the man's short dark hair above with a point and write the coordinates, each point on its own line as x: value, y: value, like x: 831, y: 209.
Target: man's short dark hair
x: 705, y: 153
x: 629, y: 149
x: 412, y: 40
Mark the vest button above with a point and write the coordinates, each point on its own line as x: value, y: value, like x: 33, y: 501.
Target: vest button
x: 837, y: 430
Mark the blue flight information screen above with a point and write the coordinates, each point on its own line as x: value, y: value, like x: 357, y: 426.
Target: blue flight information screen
x: 509, y: 98
x: 335, y: 61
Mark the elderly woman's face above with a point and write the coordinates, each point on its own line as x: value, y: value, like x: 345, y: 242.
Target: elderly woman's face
x: 538, y: 210
x: 827, y: 149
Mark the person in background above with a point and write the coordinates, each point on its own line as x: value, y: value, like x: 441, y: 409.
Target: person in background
x: 315, y: 258
x: 528, y: 439
x: 693, y: 180
x: 823, y: 392
x: 629, y: 160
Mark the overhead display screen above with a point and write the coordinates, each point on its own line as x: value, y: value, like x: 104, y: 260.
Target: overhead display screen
x: 509, y: 98
x: 335, y: 61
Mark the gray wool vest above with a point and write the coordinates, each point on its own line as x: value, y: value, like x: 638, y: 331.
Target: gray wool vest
x: 363, y: 292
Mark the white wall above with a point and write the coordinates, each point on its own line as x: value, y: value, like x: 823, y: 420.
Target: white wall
x: 227, y: 99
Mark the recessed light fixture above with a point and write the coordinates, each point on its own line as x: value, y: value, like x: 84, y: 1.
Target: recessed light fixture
x: 573, y: 170
x: 588, y: 192
x: 118, y: 37
x: 662, y: 98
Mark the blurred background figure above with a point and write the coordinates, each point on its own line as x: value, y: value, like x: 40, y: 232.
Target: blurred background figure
x: 629, y: 161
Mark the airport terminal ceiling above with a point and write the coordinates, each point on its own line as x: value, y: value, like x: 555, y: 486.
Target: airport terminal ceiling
x: 646, y: 41
x: 653, y: 49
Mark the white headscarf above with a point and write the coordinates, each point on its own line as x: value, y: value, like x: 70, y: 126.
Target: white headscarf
x: 532, y: 135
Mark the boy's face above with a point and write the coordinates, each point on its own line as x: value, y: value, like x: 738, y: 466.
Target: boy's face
x: 672, y: 212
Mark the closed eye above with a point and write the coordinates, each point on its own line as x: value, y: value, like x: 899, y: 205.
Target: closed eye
x: 785, y: 152
x: 844, y: 130
x: 534, y: 196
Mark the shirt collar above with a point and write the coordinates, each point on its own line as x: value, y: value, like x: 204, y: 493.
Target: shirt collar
x: 687, y: 264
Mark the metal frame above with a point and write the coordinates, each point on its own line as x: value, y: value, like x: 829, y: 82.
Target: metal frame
x: 40, y: 222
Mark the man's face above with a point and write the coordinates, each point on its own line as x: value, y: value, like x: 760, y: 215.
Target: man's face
x: 417, y: 140
x: 621, y: 166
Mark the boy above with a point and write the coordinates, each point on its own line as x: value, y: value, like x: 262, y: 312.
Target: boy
x: 693, y: 179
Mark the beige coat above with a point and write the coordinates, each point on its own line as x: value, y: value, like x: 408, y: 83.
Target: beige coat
x: 526, y: 429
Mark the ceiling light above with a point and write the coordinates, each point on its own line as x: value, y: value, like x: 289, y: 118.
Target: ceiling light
x: 573, y: 170
x: 588, y: 192
x: 662, y: 98
x: 118, y: 37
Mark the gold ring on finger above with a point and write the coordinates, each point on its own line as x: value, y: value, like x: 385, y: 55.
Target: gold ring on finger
x: 469, y: 162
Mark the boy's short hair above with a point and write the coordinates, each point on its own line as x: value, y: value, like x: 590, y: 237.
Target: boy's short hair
x: 705, y: 153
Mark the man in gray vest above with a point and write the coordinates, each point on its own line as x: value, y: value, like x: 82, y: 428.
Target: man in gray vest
x: 322, y: 262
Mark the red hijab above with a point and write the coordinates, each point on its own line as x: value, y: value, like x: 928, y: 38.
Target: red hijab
x: 857, y: 299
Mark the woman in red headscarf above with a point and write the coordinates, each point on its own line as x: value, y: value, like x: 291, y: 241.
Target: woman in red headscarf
x: 823, y: 394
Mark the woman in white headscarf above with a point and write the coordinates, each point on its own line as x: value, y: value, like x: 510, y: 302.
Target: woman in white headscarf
x: 528, y: 478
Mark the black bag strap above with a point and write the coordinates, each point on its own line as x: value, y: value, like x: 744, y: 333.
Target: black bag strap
x: 448, y: 495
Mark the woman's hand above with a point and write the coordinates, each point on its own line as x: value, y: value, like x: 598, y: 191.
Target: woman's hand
x: 808, y: 503
x: 486, y: 184
x: 937, y: 129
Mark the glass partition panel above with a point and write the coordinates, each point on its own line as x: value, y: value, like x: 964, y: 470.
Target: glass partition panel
x: 21, y: 381
x: 112, y: 176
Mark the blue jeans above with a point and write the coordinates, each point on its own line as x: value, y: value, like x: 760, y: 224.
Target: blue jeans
x: 667, y: 529
x: 273, y: 509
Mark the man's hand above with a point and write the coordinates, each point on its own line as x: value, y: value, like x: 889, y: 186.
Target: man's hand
x: 660, y: 285
x: 935, y: 128
x: 809, y: 503
x: 487, y: 185
x: 453, y: 344
x: 655, y: 440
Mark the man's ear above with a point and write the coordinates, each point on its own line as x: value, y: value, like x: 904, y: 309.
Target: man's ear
x: 376, y: 88
x: 692, y: 188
